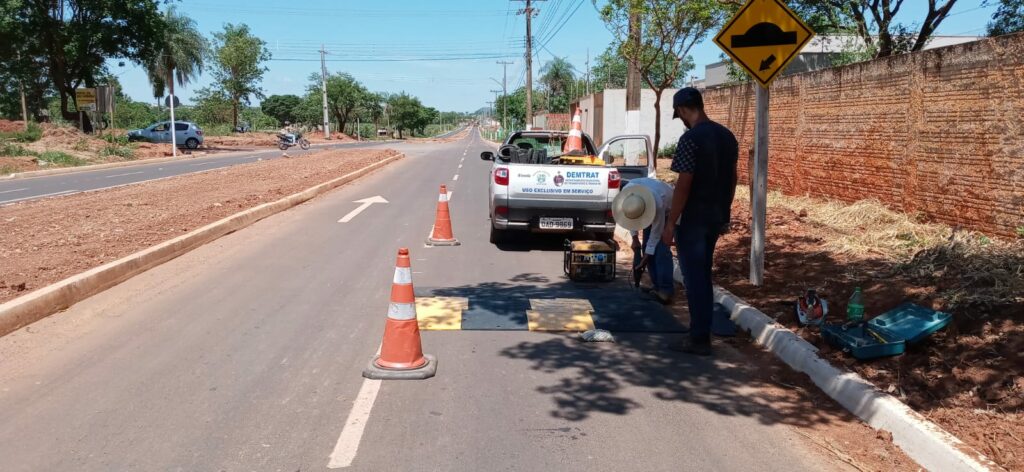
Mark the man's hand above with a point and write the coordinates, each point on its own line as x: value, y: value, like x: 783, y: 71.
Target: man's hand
x: 643, y: 262
x: 667, y: 235
x: 636, y: 244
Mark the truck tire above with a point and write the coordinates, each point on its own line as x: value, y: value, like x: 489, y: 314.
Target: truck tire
x: 497, y: 236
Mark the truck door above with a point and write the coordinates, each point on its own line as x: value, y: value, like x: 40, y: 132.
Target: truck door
x: 631, y: 154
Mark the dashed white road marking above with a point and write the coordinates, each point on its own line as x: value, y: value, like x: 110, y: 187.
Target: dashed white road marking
x: 456, y: 177
x: 15, y: 190
x: 201, y: 164
x: 352, y: 433
x: 39, y: 196
x: 460, y: 166
x: 124, y: 174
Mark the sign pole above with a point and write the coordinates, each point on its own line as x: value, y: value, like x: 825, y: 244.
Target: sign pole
x: 759, y: 187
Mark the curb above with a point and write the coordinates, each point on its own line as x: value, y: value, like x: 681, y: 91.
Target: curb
x: 924, y: 441
x: 139, y: 162
x: 58, y: 296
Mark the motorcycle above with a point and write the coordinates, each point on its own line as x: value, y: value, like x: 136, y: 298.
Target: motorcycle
x: 284, y: 143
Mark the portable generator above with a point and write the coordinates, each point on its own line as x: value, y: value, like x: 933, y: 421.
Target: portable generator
x: 590, y: 261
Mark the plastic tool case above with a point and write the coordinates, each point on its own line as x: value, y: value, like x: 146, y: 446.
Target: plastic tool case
x: 886, y: 334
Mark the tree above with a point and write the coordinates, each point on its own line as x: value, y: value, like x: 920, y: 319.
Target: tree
x: 75, y: 38
x: 1008, y: 18
x: 179, y: 55
x: 344, y: 96
x: 557, y: 77
x: 609, y: 70
x: 237, y: 72
x: 407, y: 113
x: 282, y: 107
x: 670, y: 29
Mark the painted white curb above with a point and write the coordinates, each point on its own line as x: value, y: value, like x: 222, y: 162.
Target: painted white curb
x: 924, y: 441
x: 41, y: 303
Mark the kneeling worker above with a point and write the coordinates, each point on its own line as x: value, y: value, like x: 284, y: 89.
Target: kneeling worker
x: 643, y: 204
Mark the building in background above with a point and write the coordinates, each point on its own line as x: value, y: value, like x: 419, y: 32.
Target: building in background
x: 552, y: 121
x: 604, y: 115
x: 819, y: 54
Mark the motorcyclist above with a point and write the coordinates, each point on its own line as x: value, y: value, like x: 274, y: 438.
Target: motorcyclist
x: 288, y: 132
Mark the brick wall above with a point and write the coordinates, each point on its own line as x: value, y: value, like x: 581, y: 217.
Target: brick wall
x: 940, y: 132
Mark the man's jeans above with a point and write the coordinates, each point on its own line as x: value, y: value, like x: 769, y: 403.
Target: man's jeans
x: 696, y: 249
x: 660, y: 265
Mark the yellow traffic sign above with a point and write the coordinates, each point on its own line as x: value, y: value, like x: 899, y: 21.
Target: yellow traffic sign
x: 763, y: 37
x: 85, y: 98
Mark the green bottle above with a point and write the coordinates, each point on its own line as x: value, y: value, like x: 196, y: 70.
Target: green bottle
x: 855, y: 308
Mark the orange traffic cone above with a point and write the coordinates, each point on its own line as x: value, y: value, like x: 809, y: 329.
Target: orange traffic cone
x: 575, y: 140
x: 442, y: 234
x: 401, y: 353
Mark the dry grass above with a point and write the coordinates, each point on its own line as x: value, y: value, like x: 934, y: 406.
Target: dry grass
x: 984, y: 270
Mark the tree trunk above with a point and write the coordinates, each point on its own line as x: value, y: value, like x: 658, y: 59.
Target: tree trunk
x: 74, y: 117
x: 657, y: 124
x: 234, y: 113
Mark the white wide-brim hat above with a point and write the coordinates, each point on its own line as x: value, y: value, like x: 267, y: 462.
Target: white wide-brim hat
x: 631, y: 199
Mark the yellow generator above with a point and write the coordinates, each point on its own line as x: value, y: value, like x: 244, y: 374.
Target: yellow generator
x: 590, y: 261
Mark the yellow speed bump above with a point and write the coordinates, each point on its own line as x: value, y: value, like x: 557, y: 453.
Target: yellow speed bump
x: 560, y: 314
x: 440, y: 313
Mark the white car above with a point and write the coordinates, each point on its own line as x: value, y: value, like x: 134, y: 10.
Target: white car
x: 534, y: 189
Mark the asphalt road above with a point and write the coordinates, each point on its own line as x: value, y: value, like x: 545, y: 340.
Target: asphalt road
x: 18, y: 190
x: 246, y: 354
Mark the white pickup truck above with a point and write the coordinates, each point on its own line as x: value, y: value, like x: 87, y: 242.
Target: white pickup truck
x: 534, y: 188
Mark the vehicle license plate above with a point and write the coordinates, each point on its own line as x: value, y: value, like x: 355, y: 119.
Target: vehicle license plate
x: 556, y: 223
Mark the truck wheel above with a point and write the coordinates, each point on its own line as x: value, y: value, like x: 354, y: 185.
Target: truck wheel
x: 497, y: 236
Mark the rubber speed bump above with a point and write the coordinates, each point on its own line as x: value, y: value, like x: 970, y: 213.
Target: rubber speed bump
x: 441, y: 313
x: 560, y: 314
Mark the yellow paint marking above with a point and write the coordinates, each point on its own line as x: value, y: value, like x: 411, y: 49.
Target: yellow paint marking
x: 560, y: 314
x: 440, y: 313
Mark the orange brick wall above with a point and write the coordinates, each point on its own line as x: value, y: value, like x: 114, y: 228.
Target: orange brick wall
x: 940, y: 132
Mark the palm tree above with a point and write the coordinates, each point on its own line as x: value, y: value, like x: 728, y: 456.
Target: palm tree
x: 557, y: 76
x: 180, y: 56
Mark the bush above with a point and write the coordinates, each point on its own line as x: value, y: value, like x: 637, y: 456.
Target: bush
x: 116, y: 139
x: 60, y: 159
x: 667, y: 151
x: 124, y: 152
x: 9, y: 149
x: 31, y: 135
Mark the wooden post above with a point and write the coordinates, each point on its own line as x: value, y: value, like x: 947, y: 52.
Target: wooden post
x: 759, y: 188
x: 24, y: 107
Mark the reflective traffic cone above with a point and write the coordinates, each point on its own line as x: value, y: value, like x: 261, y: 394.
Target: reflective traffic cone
x: 401, y: 353
x: 442, y: 233
x: 575, y: 140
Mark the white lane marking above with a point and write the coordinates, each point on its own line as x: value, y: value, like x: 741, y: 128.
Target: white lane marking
x: 456, y: 177
x: 352, y: 433
x: 122, y: 175
x: 464, y: 153
x: 39, y: 196
x: 201, y: 164
x: 366, y: 202
x: 15, y: 190
x: 460, y: 166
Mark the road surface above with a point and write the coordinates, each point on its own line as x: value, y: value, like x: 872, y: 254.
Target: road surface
x: 18, y: 190
x: 246, y: 354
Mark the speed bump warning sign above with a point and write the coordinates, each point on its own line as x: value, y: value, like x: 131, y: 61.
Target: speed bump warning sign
x: 763, y: 37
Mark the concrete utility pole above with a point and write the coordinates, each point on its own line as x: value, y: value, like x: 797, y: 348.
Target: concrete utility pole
x: 24, y: 107
x: 633, y: 78
x: 588, y: 71
x: 504, y: 93
x: 759, y: 187
x: 323, y: 85
x: 529, y: 11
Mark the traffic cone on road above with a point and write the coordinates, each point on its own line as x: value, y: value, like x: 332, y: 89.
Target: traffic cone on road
x: 401, y: 353
x: 575, y: 140
x: 442, y: 233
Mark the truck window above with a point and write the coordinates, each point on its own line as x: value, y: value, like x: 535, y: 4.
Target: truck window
x: 553, y: 144
x: 629, y: 152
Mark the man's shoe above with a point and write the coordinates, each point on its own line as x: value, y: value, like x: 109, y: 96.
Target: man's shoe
x: 687, y: 346
x: 661, y: 297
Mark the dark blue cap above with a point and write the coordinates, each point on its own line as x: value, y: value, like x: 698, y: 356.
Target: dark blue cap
x: 688, y: 97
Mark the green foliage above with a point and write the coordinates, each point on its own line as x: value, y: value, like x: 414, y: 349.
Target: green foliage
x: 667, y: 151
x: 557, y: 77
x: 31, y: 135
x: 257, y: 119
x: 133, y: 115
x: 1008, y: 18
x: 60, y: 159
x: 408, y: 113
x: 238, y: 70
x: 179, y: 57
x: 345, y: 95
x: 115, y: 139
x: 124, y: 152
x: 1020, y: 232
x: 212, y: 107
x: 282, y: 107
x: 12, y: 150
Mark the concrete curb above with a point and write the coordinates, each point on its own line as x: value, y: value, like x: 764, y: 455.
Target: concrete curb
x: 924, y: 441
x: 44, y: 302
x: 113, y: 165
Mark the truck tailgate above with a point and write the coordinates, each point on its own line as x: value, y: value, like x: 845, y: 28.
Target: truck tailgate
x: 557, y: 183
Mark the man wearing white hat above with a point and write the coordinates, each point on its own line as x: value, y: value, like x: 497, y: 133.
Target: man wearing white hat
x: 643, y: 204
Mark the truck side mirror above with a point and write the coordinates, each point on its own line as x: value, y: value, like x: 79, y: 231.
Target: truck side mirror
x: 487, y: 156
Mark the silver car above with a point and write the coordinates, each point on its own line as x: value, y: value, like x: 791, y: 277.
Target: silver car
x: 187, y: 134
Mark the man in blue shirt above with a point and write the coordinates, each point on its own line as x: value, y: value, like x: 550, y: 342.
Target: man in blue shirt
x: 705, y: 159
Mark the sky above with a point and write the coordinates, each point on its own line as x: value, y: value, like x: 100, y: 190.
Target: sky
x: 443, y: 52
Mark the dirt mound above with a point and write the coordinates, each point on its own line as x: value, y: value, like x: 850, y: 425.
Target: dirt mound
x: 8, y: 126
x: 242, y: 140
x: 10, y: 165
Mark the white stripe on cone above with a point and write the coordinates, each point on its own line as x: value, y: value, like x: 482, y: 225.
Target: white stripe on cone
x: 403, y: 275
x: 442, y: 197
x: 575, y: 133
x: 402, y: 311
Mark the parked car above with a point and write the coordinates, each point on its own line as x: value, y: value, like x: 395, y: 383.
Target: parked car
x: 548, y: 192
x: 188, y: 134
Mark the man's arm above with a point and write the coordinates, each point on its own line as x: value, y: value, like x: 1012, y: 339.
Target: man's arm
x: 679, y: 197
